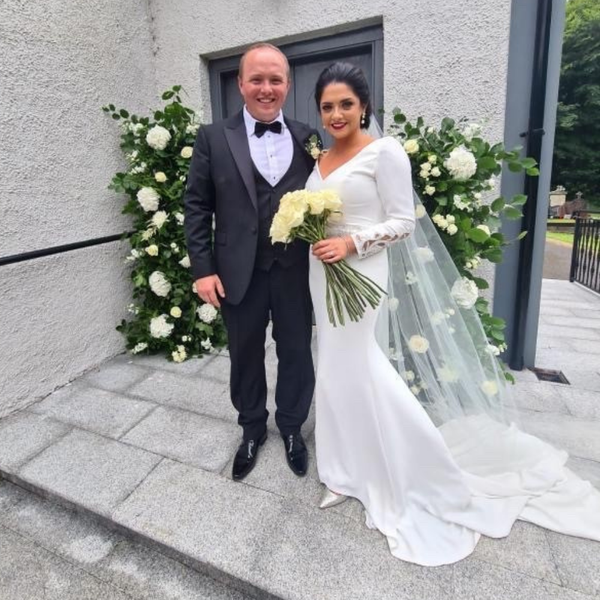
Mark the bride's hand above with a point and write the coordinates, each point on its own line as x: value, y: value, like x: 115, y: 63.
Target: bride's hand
x: 334, y: 249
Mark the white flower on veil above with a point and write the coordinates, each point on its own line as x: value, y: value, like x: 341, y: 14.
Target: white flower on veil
x: 464, y: 292
x: 418, y: 344
x: 410, y: 278
x: 424, y: 254
x: 489, y: 387
x: 447, y: 374
x: 409, y: 375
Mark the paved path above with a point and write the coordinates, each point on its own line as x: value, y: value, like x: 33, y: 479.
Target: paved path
x: 557, y: 260
x: 145, y: 446
x: 50, y: 552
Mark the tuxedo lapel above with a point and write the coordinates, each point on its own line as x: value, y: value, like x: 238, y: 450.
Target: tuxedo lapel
x: 299, y: 133
x: 237, y: 138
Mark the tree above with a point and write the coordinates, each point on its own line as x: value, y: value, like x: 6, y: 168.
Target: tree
x: 577, y: 144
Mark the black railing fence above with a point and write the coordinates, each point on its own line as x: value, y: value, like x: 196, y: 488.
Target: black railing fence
x: 585, y: 260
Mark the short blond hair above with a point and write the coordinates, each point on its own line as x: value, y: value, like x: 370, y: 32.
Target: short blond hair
x: 258, y: 46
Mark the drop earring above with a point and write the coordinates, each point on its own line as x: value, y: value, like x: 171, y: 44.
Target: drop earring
x: 362, y: 119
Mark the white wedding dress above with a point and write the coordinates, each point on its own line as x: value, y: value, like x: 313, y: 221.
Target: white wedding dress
x: 432, y: 491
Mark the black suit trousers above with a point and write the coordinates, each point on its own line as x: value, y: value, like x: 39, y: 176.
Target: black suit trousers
x: 281, y: 294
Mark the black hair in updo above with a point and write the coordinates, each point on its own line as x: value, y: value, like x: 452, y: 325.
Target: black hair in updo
x: 353, y: 77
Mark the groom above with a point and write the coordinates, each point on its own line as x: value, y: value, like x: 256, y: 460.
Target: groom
x: 240, y: 169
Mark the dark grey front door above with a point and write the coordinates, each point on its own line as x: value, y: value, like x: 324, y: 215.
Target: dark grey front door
x: 363, y: 48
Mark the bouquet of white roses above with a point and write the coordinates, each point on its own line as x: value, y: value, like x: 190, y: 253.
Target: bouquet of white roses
x: 304, y: 215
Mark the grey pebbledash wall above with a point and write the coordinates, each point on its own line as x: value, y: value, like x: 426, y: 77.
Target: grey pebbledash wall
x: 60, y: 62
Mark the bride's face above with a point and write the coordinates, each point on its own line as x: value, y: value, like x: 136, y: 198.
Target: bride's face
x: 341, y: 110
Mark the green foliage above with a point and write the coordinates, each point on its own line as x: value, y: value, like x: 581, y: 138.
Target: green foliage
x: 462, y: 204
x: 577, y: 144
x: 154, y: 184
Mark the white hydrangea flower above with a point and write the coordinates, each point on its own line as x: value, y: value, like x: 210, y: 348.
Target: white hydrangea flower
x: 148, y: 198
x: 493, y: 350
x: 424, y: 174
x: 447, y: 374
x: 418, y: 344
x: 175, y: 248
x: 420, y: 211
x: 136, y: 128
x: 185, y: 262
x: 158, y: 137
x: 424, y: 253
x: 432, y: 158
x: 452, y: 229
x: 464, y: 291
x: 207, y: 344
x: 435, y: 172
x: 160, y: 327
x: 139, y: 348
x: 461, y: 164
x: 485, y: 229
x: 429, y: 190
x: 133, y: 255
x: 477, y: 196
x: 152, y: 250
x: 393, y: 304
x: 411, y: 146
x: 175, y: 312
x: 160, y: 177
x: 148, y: 233
x: 471, y: 130
x: 192, y: 128
x: 409, y: 375
x: 461, y: 204
x: 431, y: 130
x: 179, y: 355
x: 451, y: 219
x: 186, y: 152
x: 489, y: 387
x: 426, y: 166
x: 185, y: 338
x: 410, y: 278
x: 141, y: 168
x: 159, y: 218
x: 159, y: 283
x: 207, y: 313
x: 180, y: 218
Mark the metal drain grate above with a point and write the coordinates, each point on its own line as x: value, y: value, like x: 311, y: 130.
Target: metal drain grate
x: 551, y: 375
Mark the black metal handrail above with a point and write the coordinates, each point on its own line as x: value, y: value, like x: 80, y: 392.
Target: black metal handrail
x: 585, y: 259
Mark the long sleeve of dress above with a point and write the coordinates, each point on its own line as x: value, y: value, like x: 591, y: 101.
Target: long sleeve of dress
x: 394, y: 186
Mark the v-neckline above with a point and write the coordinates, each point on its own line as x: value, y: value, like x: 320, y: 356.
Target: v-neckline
x: 345, y: 163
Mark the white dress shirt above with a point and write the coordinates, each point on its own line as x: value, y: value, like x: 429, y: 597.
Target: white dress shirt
x: 273, y: 152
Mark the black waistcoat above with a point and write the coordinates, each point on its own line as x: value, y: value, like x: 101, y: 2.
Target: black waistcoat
x: 268, y: 197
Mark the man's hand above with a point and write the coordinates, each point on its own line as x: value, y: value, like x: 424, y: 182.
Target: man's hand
x: 209, y: 289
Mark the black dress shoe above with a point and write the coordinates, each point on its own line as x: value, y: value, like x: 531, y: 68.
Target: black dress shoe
x: 245, y: 457
x: 296, y: 453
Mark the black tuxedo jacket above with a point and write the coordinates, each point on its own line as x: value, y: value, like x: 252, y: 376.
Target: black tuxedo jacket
x: 221, y: 182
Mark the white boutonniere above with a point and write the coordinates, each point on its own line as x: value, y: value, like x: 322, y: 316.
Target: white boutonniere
x: 314, y: 146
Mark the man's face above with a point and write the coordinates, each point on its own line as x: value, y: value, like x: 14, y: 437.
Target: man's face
x: 264, y: 83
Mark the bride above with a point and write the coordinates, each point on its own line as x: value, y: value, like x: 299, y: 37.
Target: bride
x: 413, y: 417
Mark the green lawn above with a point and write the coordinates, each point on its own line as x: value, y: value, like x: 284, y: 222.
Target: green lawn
x: 561, y: 237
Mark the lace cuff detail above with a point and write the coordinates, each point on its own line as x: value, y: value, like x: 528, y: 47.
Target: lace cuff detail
x: 375, y: 239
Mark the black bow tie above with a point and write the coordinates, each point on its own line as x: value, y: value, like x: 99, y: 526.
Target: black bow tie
x: 261, y: 128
